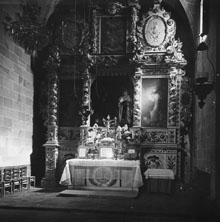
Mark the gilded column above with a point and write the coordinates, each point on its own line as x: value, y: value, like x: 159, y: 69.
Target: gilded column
x: 94, y: 32
x: 134, y: 10
x: 137, y: 98
x: 86, y: 107
x: 52, y: 144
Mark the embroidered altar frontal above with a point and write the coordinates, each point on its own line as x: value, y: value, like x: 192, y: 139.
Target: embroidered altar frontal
x: 102, y: 174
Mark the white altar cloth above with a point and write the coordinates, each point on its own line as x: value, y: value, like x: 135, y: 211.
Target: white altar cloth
x: 159, y: 180
x: 116, y: 174
x: 159, y: 174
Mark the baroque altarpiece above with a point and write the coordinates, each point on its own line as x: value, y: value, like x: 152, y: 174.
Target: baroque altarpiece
x: 116, y: 50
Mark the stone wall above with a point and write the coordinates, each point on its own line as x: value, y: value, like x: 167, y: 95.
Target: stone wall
x: 217, y: 154
x: 192, y: 8
x: 16, y: 99
x: 205, y: 119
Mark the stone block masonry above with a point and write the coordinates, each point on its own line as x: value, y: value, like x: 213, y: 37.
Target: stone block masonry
x: 16, y: 101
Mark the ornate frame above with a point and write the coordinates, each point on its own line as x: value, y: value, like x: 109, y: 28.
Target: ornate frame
x: 146, y: 98
x: 113, y: 10
x: 157, y: 13
x: 78, y: 30
x: 162, y: 59
x: 170, y: 133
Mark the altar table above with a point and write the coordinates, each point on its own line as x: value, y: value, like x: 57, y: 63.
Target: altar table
x: 102, y: 174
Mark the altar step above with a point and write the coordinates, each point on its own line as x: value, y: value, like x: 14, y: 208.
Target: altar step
x: 99, y: 193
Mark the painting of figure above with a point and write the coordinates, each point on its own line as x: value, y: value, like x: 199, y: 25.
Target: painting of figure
x: 113, y: 35
x: 154, y: 102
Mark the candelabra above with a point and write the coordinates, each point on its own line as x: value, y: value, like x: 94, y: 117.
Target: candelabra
x: 202, y: 89
x: 108, y: 123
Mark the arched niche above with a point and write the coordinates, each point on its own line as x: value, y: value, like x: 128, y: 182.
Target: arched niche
x: 105, y: 93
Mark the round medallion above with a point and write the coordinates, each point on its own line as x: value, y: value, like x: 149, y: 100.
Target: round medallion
x: 102, y: 176
x: 155, y: 31
x: 71, y: 34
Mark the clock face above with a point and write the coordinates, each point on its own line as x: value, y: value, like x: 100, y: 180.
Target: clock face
x: 155, y: 31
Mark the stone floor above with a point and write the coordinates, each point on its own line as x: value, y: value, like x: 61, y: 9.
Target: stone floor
x: 46, y: 205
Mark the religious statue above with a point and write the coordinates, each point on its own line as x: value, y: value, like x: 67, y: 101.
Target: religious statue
x: 125, y: 109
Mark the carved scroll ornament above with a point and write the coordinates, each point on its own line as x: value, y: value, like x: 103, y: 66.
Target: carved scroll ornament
x: 155, y: 30
x: 27, y: 30
x: 137, y: 98
x: 51, y: 158
x: 154, y: 136
x: 72, y: 33
x: 156, y: 34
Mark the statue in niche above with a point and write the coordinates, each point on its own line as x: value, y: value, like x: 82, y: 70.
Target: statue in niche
x: 125, y: 109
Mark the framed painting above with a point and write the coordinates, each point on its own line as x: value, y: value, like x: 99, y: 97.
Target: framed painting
x: 106, y: 153
x: 154, y: 102
x: 113, y: 35
x: 82, y: 152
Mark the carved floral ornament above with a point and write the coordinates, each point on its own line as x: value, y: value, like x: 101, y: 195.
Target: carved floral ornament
x: 114, y: 8
x: 28, y: 31
x: 73, y: 34
x: 155, y: 30
x: 156, y: 33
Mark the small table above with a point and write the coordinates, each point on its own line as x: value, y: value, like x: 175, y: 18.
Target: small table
x: 159, y: 180
x: 102, y: 174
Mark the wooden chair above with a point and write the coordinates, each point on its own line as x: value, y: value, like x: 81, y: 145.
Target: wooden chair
x: 32, y: 181
x: 6, y: 186
x: 16, y: 179
x: 7, y: 182
x: 25, y: 182
x: 1, y: 189
x: 1, y: 182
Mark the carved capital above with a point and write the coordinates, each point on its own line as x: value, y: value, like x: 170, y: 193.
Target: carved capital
x: 53, y: 61
x: 114, y: 7
x: 137, y: 98
x: 132, y: 38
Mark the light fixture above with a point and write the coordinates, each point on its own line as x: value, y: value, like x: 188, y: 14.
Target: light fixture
x: 202, y: 85
x: 202, y: 88
x: 202, y: 47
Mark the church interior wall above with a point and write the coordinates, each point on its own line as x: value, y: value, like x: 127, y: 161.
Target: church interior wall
x: 18, y: 90
x: 204, y: 139
x: 16, y: 99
